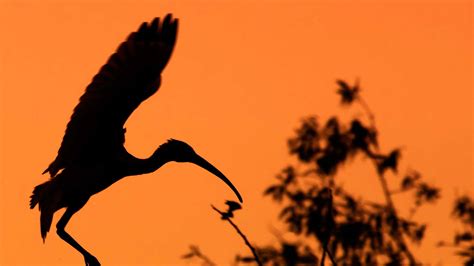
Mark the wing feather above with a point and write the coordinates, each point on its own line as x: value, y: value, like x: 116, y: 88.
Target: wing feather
x: 130, y: 76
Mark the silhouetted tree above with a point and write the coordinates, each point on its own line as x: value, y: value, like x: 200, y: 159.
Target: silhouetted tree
x: 331, y: 222
x: 348, y: 229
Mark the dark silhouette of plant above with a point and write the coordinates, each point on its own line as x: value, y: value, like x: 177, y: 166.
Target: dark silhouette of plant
x: 348, y: 229
x: 464, y: 241
x: 227, y: 215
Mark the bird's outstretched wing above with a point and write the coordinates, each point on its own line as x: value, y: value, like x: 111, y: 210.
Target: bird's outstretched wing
x: 131, y: 75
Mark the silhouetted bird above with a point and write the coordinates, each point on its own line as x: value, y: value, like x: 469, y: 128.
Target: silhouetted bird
x: 92, y: 156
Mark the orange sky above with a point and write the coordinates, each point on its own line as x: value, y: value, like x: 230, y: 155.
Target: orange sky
x: 241, y: 77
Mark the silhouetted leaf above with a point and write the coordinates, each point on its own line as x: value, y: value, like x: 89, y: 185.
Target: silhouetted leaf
x: 409, y: 181
x: 246, y: 259
x: 306, y: 144
x: 327, y: 164
x: 187, y: 256
x: 463, y: 237
x: 276, y: 191
x: 232, y: 206
x: 297, y: 197
x: 348, y: 93
x: 362, y: 136
x: 390, y: 162
x: 464, y: 209
x: 288, y: 175
x: 426, y: 193
x: 414, y: 231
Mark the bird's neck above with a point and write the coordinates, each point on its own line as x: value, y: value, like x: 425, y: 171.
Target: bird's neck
x: 149, y: 165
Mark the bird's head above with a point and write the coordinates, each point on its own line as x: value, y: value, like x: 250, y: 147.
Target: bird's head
x: 180, y: 151
x: 177, y: 151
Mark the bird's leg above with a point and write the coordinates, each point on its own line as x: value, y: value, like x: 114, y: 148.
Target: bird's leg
x: 60, y: 226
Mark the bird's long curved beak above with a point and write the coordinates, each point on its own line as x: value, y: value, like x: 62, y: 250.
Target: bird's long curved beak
x: 198, y: 160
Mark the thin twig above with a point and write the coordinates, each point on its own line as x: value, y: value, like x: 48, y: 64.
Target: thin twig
x: 369, y: 112
x: 326, y: 251
x: 388, y: 196
x: 391, y: 207
x: 325, y: 240
x: 254, y: 252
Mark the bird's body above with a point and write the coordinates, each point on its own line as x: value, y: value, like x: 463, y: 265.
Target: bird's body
x: 92, y: 156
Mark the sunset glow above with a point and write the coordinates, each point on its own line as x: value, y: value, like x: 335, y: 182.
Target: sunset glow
x: 242, y: 76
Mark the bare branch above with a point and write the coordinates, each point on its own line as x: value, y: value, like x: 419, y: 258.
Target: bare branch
x: 228, y: 219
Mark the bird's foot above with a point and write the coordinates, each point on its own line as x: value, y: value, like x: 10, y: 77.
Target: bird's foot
x: 91, y: 260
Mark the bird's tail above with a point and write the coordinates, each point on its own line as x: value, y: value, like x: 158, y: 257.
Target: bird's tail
x: 44, y: 196
x: 46, y: 218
